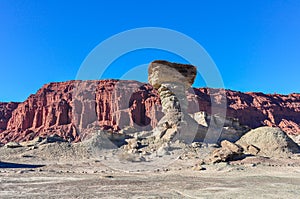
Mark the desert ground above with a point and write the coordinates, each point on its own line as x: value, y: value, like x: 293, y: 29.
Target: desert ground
x: 63, y: 170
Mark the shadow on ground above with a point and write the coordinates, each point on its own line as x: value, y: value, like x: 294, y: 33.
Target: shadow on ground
x: 15, y: 165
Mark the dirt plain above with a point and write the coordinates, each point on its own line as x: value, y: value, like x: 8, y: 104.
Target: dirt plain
x: 58, y: 171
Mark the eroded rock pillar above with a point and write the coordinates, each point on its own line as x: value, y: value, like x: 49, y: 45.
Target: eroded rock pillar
x: 172, y: 80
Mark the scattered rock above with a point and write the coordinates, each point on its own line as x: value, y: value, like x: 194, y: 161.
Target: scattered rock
x: 31, y: 148
x: 221, y: 155
x: 264, y: 141
x: 229, y: 151
x: 52, y: 139
x: 231, y: 147
x: 163, y: 150
x: 12, y: 145
x: 132, y: 143
x: 196, y: 144
x: 27, y: 156
x: 33, y: 142
x: 145, y: 153
x: 198, y: 167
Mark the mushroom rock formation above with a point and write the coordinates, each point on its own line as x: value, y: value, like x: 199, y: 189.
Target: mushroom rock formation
x: 172, y: 81
x: 69, y: 109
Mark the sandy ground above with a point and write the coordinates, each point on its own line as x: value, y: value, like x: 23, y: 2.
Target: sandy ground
x: 215, y: 182
x: 31, y: 174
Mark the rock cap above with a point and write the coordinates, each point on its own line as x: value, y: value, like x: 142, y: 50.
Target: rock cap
x: 161, y: 71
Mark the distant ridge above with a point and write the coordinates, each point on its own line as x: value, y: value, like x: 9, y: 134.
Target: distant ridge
x: 69, y: 108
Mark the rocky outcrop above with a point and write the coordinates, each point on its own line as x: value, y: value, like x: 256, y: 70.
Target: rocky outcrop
x: 269, y: 142
x: 6, y: 110
x: 256, y: 109
x: 70, y: 108
x: 172, y: 80
x: 227, y: 152
x: 231, y: 128
x: 263, y: 141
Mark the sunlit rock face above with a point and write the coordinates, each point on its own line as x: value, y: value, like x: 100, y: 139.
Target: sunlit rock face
x: 71, y: 108
x: 172, y: 81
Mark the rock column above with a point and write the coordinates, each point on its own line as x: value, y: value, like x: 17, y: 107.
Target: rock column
x: 172, y: 80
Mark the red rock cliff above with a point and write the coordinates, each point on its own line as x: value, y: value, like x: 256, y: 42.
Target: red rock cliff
x: 257, y: 109
x: 69, y: 108
x: 6, y: 110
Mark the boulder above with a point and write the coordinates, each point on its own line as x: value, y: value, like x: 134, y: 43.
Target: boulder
x: 268, y: 141
x: 231, y: 146
x: 228, y: 151
x: 221, y: 155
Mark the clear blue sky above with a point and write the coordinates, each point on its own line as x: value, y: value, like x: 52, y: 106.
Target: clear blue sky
x: 255, y: 44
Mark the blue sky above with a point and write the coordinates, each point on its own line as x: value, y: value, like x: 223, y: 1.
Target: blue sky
x: 255, y: 44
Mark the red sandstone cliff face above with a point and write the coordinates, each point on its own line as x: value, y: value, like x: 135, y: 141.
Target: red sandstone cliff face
x: 257, y: 109
x: 70, y: 108
x: 6, y: 110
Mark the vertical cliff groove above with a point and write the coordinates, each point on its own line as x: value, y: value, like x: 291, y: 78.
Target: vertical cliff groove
x: 69, y: 108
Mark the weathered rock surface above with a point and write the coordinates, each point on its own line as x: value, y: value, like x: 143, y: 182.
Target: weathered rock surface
x: 268, y: 141
x: 12, y: 145
x: 69, y: 109
x: 228, y: 151
x: 257, y: 109
x: 6, y: 110
x: 112, y: 104
x: 172, y: 80
x: 161, y: 72
x: 101, y: 140
x: 231, y: 146
x: 232, y: 130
